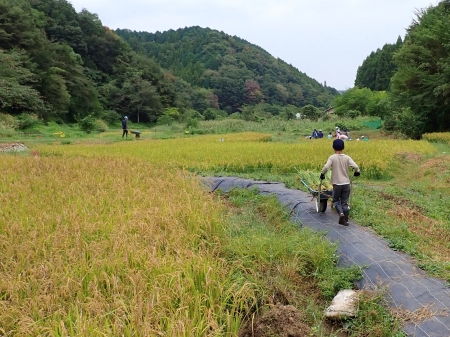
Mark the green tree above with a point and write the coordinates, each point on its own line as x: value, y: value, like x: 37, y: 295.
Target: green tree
x: 378, y: 68
x: 422, y: 81
x: 16, y: 91
x: 353, y: 99
x: 310, y: 112
x: 137, y: 97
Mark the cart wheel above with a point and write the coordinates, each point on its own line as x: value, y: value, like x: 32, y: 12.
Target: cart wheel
x: 321, y: 205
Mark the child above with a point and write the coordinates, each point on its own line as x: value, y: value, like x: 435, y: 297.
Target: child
x: 340, y: 163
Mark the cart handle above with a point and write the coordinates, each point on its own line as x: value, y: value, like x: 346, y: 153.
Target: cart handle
x: 309, y: 188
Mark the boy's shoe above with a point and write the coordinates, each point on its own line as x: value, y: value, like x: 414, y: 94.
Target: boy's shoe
x: 346, y: 218
x: 341, y: 219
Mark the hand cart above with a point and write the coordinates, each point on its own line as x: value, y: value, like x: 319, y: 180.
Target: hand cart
x: 321, y: 196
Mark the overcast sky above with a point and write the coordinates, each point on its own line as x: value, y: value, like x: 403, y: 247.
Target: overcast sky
x: 326, y: 39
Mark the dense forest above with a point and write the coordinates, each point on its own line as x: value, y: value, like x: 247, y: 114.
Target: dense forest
x: 65, y: 66
x: 378, y: 68
x: 407, y: 84
x: 238, y: 72
x: 60, y: 65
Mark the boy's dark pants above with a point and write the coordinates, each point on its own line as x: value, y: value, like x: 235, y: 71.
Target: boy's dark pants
x: 341, y: 193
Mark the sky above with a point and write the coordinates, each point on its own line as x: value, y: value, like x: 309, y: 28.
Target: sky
x: 325, y: 39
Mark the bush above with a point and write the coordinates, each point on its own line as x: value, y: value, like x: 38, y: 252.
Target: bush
x: 353, y: 113
x: 210, y: 114
x: 6, y: 121
x: 101, y: 126
x: 411, y: 124
x: 27, y: 121
x: 111, y: 117
x: 192, y: 123
x: 390, y: 122
x: 88, y: 124
x: 311, y: 112
x: 165, y: 120
x: 235, y: 115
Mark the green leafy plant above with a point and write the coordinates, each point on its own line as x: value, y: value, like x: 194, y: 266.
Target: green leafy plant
x: 88, y: 124
x: 27, y: 121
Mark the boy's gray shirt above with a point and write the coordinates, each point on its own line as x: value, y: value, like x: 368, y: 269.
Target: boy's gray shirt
x: 339, y: 164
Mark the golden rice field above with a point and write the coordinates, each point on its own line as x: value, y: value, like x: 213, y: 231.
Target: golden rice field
x: 437, y: 137
x: 115, y: 240
x: 105, y: 247
x: 247, y: 152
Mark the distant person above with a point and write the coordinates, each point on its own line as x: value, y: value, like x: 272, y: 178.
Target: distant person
x: 364, y: 138
x: 347, y: 133
x: 330, y: 135
x: 338, y: 133
x: 315, y: 134
x: 320, y: 135
x: 339, y: 164
x: 125, y: 127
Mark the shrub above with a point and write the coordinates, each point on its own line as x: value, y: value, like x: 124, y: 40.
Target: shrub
x: 210, y: 114
x: 235, y: 115
x: 110, y: 117
x: 27, y: 121
x: 6, y: 121
x: 165, y: 120
x: 353, y: 113
x: 101, y: 126
x: 88, y: 124
x: 192, y: 123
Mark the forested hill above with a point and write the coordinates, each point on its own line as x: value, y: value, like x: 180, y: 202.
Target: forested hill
x: 66, y: 66
x: 237, y: 71
x: 61, y: 65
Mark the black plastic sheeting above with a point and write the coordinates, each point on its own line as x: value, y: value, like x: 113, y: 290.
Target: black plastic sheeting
x: 408, y: 286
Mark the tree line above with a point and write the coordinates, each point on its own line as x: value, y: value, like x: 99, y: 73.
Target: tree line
x: 238, y: 72
x: 407, y: 83
x: 62, y: 65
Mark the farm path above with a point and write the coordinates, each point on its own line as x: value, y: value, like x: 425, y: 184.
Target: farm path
x: 422, y: 300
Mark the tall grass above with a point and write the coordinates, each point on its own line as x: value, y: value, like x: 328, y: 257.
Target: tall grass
x: 116, y: 247
x: 113, y: 239
x: 249, y: 152
x: 437, y: 137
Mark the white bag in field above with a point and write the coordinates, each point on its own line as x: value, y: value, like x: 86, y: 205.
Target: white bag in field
x: 343, y: 305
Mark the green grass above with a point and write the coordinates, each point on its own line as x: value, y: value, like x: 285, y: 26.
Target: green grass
x: 287, y: 262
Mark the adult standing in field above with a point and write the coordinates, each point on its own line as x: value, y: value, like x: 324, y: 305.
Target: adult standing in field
x: 315, y: 134
x: 339, y: 164
x: 125, y: 127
